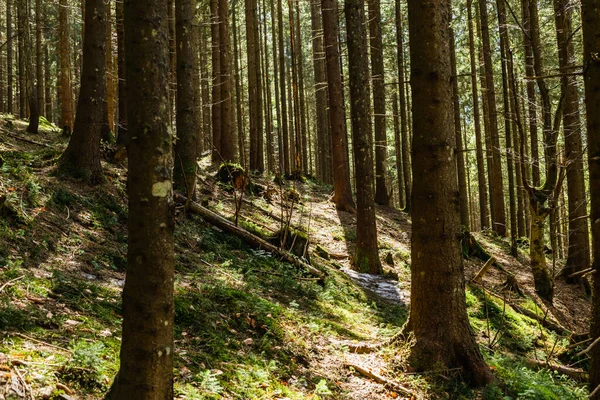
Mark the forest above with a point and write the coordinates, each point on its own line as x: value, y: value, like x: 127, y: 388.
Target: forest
x: 301, y: 199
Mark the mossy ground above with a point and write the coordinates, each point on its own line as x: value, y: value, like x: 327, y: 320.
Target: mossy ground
x: 247, y: 325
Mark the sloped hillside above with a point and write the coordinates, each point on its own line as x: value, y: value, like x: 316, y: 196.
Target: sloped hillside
x: 248, y: 326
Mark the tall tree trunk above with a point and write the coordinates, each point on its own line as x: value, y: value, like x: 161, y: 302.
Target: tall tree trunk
x: 342, y: 189
x: 504, y: 49
x: 146, y: 368
x: 531, y: 95
x: 579, y: 251
x: 323, y: 153
x: 276, y: 48
x: 9, y: 57
x: 48, y: 86
x: 216, y: 81
x: 270, y: 130
x: 282, y: 72
x: 81, y: 159
x: 460, y: 154
x: 406, y: 175
x: 39, y: 63
x: 254, y: 88
x: 228, y: 139
x: 28, y: 67
x: 122, y: 87
x: 294, y: 58
x: 301, y: 94
x: 187, y: 116
x: 110, y: 73
x: 484, y: 216
x: 238, y: 91
x: 22, y: 73
x: 590, y: 16
x: 398, y: 149
x: 438, y: 314
x: 496, y: 183
x: 378, y: 79
x: 66, y: 88
x: 366, y: 258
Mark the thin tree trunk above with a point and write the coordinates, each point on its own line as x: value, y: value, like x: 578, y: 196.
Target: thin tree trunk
x: 579, y: 251
x: 366, y: 258
x: 228, y: 140
x: 187, y: 117
x: 238, y: 91
x: 282, y: 72
x: 504, y: 49
x: 39, y: 63
x: 48, y: 87
x: 378, y: 80
x: 438, y: 314
x: 254, y: 88
x: 294, y: 58
x: 216, y: 81
x: 484, y: 216
x: 301, y: 94
x: 460, y: 155
x: 496, y: 183
x: 398, y: 149
x: 531, y: 95
x: 122, y: 86
x: 28, y: 67
x: 9, y: 57
x: 342, y: 189
x: 276, y: 79
x: 66, y: 89
x: 267, y: 83
x: 81, y: 159
x: 406, y: 175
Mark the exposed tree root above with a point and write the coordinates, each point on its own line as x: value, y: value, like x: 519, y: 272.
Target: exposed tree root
x: 380, y: 379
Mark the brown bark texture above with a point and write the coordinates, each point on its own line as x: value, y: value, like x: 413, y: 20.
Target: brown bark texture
x: 366, y: 257
x: 146, y: 366
x: 438, y: 316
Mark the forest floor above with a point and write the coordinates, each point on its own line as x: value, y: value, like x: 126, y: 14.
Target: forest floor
x: 248, y: 326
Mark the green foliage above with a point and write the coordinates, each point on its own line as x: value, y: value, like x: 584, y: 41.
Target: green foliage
x: 86, y: 367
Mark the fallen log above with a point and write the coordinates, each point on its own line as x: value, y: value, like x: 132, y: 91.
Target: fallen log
x: 546, y: 323
x: 253, y: 240
x: 575, y: 373
x: 380, y: 379
x: 484, y: 269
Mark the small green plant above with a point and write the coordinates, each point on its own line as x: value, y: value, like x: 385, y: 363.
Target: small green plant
x: 86, y: 367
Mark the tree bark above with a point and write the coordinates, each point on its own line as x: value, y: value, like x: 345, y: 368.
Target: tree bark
x: 366, y: 257
x: 28, y: 67
x: 146, y: 360
x: 578, y: 252
x: 404, y: 132
x: 378, y: 80
x: 39, y: 63
x: 496, y: 183
x: 187, y: 116
x: 228, y: 140
x: 438, y: 315
x: 66, y: 88
x: 590, y: 16
x: 9, y: 58
x: 282, y: 72
x: 342, y: 196
x: 254, y: 88
x: 504, y: 49
x: 304, y: 147
x: 398, y: 149
x: 238, y: 91
x: 216, y: 81
x: 81, y: 159
x: 122, y: 86
x: 484, y: 216
x: 460, y: 155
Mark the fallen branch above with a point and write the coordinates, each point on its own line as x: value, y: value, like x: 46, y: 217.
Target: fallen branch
x: 367, y: 348
x: 579, y: 273
x: 484, y: 269
x: 546, y: 323
x: 380, y: 379
x: 23, y: 336
x: 12, y: 135
x: 253, y: 240
x: 574, y: 373
x: 589, y: 348
x: 11, y: 282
